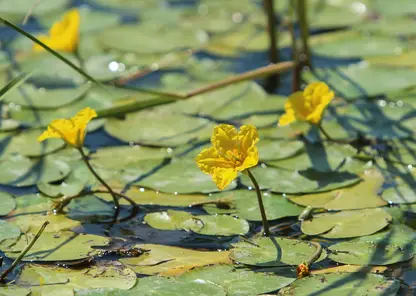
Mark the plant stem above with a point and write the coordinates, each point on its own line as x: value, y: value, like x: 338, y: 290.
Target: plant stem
x: 272, y: 82
x: 315, y: 256
x: 115, y: 198
x: 327, y: 136
x: 23, y: 253
x: 304, y: 32
x: 261, y: 206
x: 296, y: 73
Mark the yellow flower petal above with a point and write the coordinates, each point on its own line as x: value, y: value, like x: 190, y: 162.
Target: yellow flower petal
x: 248, y: 137
x: 208, y: 160
x: 72, y: 131
x: 224, y: 138
x: 63, y: 35
x: 223, y: 177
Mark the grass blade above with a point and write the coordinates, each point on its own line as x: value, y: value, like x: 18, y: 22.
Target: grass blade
x: 15, y: 82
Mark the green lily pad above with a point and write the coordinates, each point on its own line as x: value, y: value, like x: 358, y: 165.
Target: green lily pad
x: 388, y: 8
x: 405, y: 60
x: 244, y: 204
x: 181, y: 176
x: 58, y: 246
x: 122, y: 156
x: 161, y: 286
x: 222, y: 225
x: 13, y: 290
x: 96, y: 276
x: 47, y: 69
x: 174, y: 130
x: 30, y: 96
x: 288, y: 181
x: 347, y: 224
x: 143, y: 196
x: 362, y: 79
x: 19, y: 171
x: 8, y: 203
x: 170, y: 261
x: 396, y: 244
x: 332, y: 16
x: 273, y: 251
x: 334, y: 128
x: 392, y: 26
x: 7, y: 125
x: 363, y: 195
x: 140, y: 38
x: 26, y: 144
x: 17, y: 11
x: 8, y: 231
x: 276, y: 150
x: 402, y: 191
x: 351, y: 44
x: 323, y: 158
x: 351, y: 284
x: 238, y: 281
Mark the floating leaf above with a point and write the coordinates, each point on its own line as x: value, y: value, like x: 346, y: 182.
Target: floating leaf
x: 30, y: 96
x: 319, y: 157
x: 349, y: 44
x: 245, y: 205
x: 169, y: 261
x: 172, y: 131
x: 351, y: 284
x: 96, y: 276
x: 347, y: 223
x: 276, y: 150
x: 8, y: 231
x: 363, y: 80
x: 396, y: 244
x: 59, y: 246
x: 161, y: 286
x: 18, y: 9
x: 288, y: 181
x: 26, y: 143
x: 8, y: 203
x: 238, y: 281
x: 181, y: 176
x: 363, y: 195
x: 13, y: 290
x: 221, y: 225
x: 273, y: 251
x: 402, y: 191
x: 19, y: 171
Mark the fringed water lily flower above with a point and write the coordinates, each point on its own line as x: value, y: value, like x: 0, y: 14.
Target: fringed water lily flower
x: 232, y: 152
x: 308, y: 105
x: 64, y: 34
x: 72, y: 130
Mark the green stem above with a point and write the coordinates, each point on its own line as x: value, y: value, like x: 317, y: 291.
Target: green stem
x: 304, y: 32
x: 23, y: 253
x: 327, y: 136
x: 272, y: 81
x: 315, y: 256
x: 296, y: 73
x: 261, y: 206
x: 104, y: 183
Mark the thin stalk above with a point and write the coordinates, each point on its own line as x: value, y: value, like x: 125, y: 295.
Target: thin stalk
x: 304, y: 32
x: 261, y: 206
x: 315, y: 256
x: 104, y: 183
x: 273, y: 81
x: 296, y: 73
x: 23, y: 253
x: 327, y: 136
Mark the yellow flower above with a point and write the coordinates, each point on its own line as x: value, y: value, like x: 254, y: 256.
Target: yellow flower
x: 308, y: 105
x: 72, y: 130
x: 64, y: 34
x: 232, y: 152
